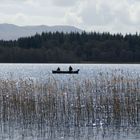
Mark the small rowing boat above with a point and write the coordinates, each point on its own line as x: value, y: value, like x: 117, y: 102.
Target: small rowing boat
x: 65, y: 72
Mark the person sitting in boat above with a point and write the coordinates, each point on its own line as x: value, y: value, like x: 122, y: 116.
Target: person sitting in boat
x: 58, y: 69
x: 70, y: 68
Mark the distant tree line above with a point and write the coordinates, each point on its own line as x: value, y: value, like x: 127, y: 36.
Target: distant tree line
x: 72, y: 48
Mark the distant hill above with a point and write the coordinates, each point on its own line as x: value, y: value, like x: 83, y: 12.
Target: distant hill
x: 13, y: 32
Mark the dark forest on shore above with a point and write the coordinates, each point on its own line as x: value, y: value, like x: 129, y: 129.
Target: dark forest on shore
x: 72, y: 48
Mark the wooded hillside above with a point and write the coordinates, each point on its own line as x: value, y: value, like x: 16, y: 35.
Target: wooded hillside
x: 72, y: 48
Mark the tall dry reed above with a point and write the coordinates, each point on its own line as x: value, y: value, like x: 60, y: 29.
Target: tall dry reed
x: 104, y: 99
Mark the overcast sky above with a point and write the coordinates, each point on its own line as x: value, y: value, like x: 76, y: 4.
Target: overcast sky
x: 91, y: 15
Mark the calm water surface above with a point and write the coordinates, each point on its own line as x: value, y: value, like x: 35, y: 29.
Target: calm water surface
x: 43, y: 71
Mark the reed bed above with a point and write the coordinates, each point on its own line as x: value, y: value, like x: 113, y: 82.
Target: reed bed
x: 107, y: 99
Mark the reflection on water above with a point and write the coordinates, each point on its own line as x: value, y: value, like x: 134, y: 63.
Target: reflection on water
x: 42, y: 132
x: 101, y: 103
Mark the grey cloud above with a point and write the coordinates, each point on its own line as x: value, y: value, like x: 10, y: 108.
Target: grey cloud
x: 92, y: 15
x: 111, y: 15
x: 64, y: 2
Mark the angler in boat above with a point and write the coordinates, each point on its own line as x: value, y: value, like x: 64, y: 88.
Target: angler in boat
x: 66, y: 72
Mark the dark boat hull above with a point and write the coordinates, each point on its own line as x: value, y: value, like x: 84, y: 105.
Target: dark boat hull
x: 65, y: 72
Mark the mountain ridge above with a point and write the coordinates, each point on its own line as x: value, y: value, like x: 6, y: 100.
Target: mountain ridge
x: 13, y: 32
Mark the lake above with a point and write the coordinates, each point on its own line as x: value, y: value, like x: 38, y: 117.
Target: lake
x: 42, y: 71
x: 102, y: 102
